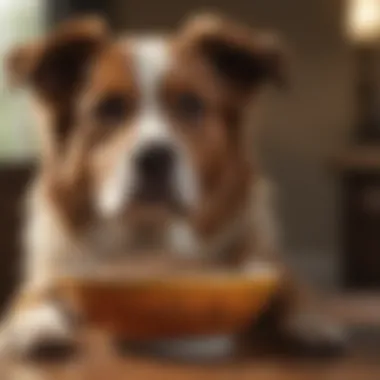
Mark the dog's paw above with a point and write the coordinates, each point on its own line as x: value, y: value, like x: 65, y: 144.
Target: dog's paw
x: 315, y: 336
x: 43, y: 332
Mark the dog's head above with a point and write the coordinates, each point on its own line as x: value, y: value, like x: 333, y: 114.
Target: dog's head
x: 144, y: 123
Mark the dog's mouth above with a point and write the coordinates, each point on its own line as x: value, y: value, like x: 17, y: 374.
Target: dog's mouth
x: 159, y: 195
x: 157, y: 212
x: 155, y: 192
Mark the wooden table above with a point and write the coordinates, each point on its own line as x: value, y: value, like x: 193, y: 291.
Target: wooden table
x: 99, y: 362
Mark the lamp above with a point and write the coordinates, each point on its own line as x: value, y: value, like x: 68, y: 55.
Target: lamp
x: 363, y: 31
x: 363, y: 20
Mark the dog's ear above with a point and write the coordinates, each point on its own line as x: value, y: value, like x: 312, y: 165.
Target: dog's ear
x: 243, y: 58
x: 55, y: 66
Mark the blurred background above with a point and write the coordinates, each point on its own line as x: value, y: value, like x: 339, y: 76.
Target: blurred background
x: 317, y: 141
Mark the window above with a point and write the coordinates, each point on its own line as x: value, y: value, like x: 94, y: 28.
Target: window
x: 20, y: 20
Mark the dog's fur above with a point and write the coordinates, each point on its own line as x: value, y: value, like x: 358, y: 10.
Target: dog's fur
x: 99, y: 104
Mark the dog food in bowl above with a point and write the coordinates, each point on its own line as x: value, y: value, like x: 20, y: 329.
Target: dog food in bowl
x: 145, y: 302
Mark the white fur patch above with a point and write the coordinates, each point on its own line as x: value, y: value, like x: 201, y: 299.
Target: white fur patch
x: 151, y: 62
x: 183, y: 240
x: 23, y: 331
x: 116, y: 189
x: 315, y: 329
x: 46, y: 244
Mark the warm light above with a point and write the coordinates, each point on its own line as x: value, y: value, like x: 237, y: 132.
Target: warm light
x: 363, y: 22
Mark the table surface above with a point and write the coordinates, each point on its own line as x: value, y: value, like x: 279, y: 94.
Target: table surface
x: 99, y: 362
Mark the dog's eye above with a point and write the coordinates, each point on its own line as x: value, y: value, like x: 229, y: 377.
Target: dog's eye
x: 112, y: 109
x: 189, y: 107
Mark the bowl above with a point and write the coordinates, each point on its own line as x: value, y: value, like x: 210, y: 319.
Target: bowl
x: 174, y: 306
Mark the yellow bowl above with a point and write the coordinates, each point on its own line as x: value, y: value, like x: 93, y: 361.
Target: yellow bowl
x: 175, y: 306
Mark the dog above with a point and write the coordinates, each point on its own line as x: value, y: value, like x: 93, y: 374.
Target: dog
x: 147, y: 136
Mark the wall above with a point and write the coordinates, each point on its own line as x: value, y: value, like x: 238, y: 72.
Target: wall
x: 302, y: 128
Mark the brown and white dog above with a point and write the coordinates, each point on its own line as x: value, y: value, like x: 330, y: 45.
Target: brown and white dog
x: 146, y: 133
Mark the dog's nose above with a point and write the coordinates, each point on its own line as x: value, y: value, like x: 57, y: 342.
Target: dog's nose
x: 155, y: 162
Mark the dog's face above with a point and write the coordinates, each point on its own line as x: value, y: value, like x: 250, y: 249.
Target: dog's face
x: 145, y: 125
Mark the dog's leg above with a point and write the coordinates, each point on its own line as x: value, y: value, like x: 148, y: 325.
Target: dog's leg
x: 38, y: 325
x: 296, y: 315
x: 300, y: 321
x: 296, y: 320
x: 38, y: 319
